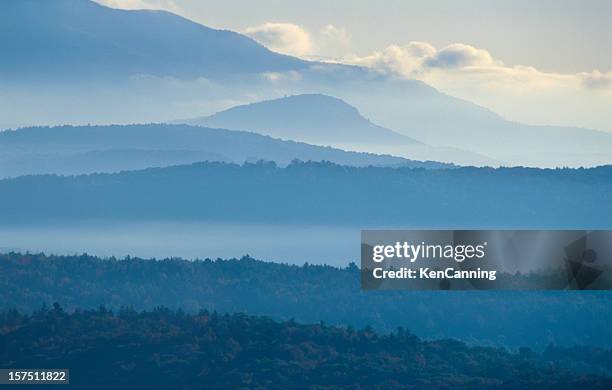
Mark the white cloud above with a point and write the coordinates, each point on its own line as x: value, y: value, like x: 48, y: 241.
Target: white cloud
x: 336, y: 34
x: 333, y: 41
x: 284, y: 38
x: 518, y: 92
x: 329, y: 42
x: 167, y: 5
x: 597, y: 79
x: 399, y: 60
x: 459, y: 55
x: 460, y: 62
x: 455, y: 68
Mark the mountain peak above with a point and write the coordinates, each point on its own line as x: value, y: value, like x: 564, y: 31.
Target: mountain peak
x: 308, y: 97
x: 311, y: 109
x: 313, y: 118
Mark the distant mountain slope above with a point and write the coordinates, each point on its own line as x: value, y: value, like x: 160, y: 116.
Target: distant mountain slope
x: 322, y: 193
x: 100, y: 161
x: 80, y: 38
x: 421, y: 112
x: 326, y: 120
x: 311, y: 118
x: 522, y: 144
x: 88, y: 149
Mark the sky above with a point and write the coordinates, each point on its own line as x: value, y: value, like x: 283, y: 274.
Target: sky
x: 539, y: 62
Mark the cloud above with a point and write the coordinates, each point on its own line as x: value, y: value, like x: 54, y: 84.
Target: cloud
x: 597, y: 79
x: 333, y: 41
x: 398, y: 60
x: 284, y: 38
x: 336, y: 34
x: 167, y: 5
x: 329, y: 42
x: 469, y: 65
x: 459, y: 55
x: 419, y: 57
x: 518, y: 92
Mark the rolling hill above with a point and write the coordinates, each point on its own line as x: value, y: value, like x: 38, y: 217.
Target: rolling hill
x: 513, y: 319
x: 163, y: 349
x: 324, y: 193
x: 88, y: 149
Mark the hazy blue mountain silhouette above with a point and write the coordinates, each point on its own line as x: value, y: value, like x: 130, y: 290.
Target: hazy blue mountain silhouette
x: 416, y: 110
x: 521, y: 144
x: 88, y: 149
x: 72, y: 38
x: 310, y: 193
x: 51, y: 47
x: 312, y: 118
x: 325, y: 120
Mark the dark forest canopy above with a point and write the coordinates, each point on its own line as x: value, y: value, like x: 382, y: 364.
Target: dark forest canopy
x: 323, y: 193
x: 307, y: 294
x: 165, y: 349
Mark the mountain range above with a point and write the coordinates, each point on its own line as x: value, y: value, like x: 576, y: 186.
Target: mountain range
x: 88, y: 149
x: 75, y: 61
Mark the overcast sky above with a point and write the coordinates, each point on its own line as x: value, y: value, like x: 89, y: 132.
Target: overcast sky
x: 547, y: 61
x: 554, y: 35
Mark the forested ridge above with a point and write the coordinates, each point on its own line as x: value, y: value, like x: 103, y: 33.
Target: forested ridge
x: 308, y: 293
x: 163, y: 349
x: 322, y: 193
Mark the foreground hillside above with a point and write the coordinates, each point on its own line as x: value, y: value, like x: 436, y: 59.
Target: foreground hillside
x: 306, y: 294
x: 322, y: 193
x: 162, y: 349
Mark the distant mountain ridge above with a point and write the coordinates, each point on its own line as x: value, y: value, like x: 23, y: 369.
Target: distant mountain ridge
x: 89, y: 149
x: 322, y: 193
x: 75, y: 61
x: 325, y: 120
x: 80, y: 38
